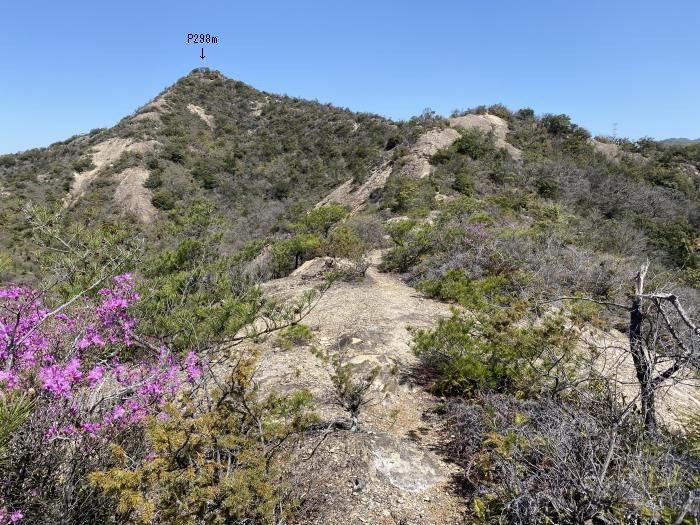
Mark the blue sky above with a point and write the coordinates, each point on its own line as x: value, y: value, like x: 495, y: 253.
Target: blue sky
x: 71, y: 66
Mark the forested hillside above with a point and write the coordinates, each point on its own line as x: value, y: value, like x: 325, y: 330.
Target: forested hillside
x: 242, y: 307
x: 262, y: 159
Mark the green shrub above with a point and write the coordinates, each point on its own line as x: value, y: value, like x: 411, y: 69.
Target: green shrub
x: 585, y: 311
x: 343, y: 241
x: 558, y: 124
x: 461, y: 208
x: 547, y: 188
x: 206, y: 175
x: 15, y: 408
x: 463, y: 183
x: 320, y: 220
x: 488, y: 351
x: 351, y: 382
x: 163, y: 200
x: 294, y: 335
x: 525, y: 113
x: 472, y: 143
x: 154, y: 179
x: 84, y: 164
x: 512, y: 199
x: 500, y: 111
x: 413, y: 196
x: 288, y: 254
x: 676, y: 238
x: 399, y: 230
x: 215, y: 462
x: 456, y: 286
x: 195, y: 299
x: 403, y: 257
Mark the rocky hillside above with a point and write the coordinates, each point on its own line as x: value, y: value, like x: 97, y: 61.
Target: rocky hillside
x: 262, y: 159
x: 321, y: 316
x: 259, y: 157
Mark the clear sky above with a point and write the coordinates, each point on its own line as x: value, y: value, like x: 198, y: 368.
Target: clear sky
x: 71, y: 66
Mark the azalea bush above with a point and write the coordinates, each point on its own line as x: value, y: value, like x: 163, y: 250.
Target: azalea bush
x: 72, y: 379
x: 79, y: 355
x: 101, y: 370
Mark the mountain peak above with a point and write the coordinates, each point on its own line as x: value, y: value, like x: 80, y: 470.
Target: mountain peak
x: 207, y: 73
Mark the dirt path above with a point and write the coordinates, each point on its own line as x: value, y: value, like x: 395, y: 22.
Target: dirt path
x: 392, y: 458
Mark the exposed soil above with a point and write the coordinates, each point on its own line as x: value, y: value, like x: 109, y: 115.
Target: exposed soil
x: 354, y: 198
x: 391, y: 471
x: 133, y: 195
x: 487, y: 124
x: 614, y: 153
x: 388, y: 471
x: 130, y: 191
x: 676, y: 401
x: 201, y: 114
x: 416, y: 163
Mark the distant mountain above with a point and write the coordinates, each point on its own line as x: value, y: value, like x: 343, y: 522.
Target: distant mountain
x: 679, y: 142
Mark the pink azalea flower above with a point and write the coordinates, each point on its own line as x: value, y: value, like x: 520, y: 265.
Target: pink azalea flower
x: 193, y: 371
x: 95, y: 375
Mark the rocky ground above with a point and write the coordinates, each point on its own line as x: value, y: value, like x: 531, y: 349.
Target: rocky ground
x: 390, y: 471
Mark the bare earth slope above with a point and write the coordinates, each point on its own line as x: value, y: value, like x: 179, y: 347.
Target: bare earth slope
x: 387, y: 473
x: 130, y: 193
x: 416, y: 163
x: 488, y: 124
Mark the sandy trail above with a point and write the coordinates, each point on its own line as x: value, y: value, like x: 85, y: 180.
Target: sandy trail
x: 393, y: 455
x: 395, y: 458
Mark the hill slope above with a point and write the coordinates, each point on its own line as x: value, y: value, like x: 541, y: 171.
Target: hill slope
x: 263, y: 158
x: 470, y: 346
x: 255, y: 155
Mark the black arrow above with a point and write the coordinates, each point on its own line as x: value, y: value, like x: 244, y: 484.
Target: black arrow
x: 202, y: 53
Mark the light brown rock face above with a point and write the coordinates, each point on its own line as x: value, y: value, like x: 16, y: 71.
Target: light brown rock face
x: 354, y: 198
x: 614, y: 153
x: 488, y: 124
x: 405, y: 465
x: 133, y: 195
x: 201, y: 114
x: 415, y: 164
x: 153, y: 110
x: 130, y: 192
x: 418, y: 160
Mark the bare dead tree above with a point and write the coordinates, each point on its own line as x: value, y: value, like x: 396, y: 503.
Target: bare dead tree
x: 663, y: 341
x: 642, y: 361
